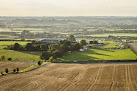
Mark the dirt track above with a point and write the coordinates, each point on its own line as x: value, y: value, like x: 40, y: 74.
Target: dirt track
x: 74, y: 77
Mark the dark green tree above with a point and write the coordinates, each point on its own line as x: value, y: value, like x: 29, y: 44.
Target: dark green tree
x: 76, y: 46
x: 39, y: 63
x: 54, y: 47
x: 83, y: 42
x: 17, y: 69
x: 43, y: 47
x: 9, y: 59
x: 45, y: 55
x: 16, y: 46
x: 2, y: 57
x: 6, y: 70
x: 14, y: 70
x: 71, y: 38
x: 28, y: 46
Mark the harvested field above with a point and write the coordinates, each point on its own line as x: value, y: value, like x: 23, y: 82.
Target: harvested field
x: 12, y: 65
x: 74, y: 77
x: 134, y: 46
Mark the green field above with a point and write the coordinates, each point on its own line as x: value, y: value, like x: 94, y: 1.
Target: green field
x: 18, y: 55
x: 109, y: 44
x: 100, y: 54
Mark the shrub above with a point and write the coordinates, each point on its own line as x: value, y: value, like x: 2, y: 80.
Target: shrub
x: 17, y: 69
x: 14, y: 70
x: 2, y: 57
x: 9, y: 59
x: 6, y: 70
x: 39, y: 63
x: 2, y: 73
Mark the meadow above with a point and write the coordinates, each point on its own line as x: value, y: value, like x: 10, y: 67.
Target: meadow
x: 18, y: 55
x: 97, y: 54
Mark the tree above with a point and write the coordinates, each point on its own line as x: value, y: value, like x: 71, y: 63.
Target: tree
x: 2, y: 73
x: 43, y: 47
x: 2, y: 57
x: 17, y: 69
x: 76, y: 46
x: 16, y: 46
x: 56, y: 54
x: 28, y: 46
x: 39, y: 63
x: 45, y: 55
x: 14, y: 70
x: 83, y: 42
x: 71, y: 38
x: 63, y: 47
x: 54, y: 47
x: 6, y: 70
x: 9, y: 59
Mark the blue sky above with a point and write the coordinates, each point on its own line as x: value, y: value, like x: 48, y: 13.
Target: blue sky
x: 68, y: 7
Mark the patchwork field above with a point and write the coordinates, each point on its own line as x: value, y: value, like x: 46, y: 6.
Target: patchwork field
x: 74, y: 77
x: 18, y: 55
x: 13, y: 65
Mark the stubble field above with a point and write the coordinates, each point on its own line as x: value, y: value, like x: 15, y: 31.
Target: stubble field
x: 14, y: 65
x: 134, y: 46
x: 74, y: 77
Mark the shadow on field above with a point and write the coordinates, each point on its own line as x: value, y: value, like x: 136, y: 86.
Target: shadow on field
x: 93, y: 52
x: 105, y: 49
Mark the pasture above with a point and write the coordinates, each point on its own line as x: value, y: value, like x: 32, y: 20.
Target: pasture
x: 18, y: 55
x: 74, y: 77
x: 97, y: 54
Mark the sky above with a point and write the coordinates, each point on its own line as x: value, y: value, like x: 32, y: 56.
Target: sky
x: 68, y: 7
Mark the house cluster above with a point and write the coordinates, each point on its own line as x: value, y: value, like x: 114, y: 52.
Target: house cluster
x: 45, y: 41
x: 122, y: 46
x: 128, y: 40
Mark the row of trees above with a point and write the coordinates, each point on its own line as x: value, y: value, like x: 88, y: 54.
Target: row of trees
x: 7, y: 71
x: 28, y: 47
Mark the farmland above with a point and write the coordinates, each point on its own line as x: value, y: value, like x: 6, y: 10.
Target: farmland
x: 112, y: 34
x: 134, y: 46
x: 13, y: 65
x: 74, y: 77
x: 101, y: 53
x: 18, y: 55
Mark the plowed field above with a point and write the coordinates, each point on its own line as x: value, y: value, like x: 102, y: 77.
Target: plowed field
x: 74, y: 77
